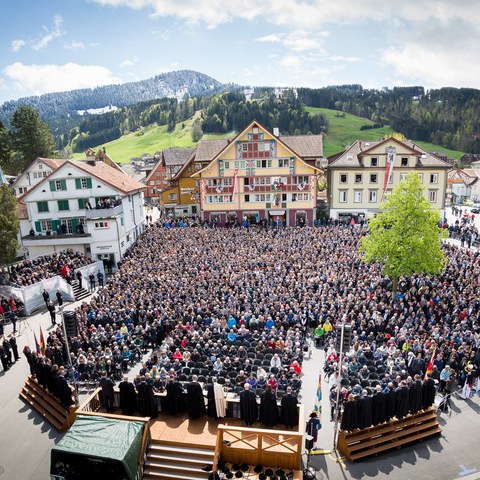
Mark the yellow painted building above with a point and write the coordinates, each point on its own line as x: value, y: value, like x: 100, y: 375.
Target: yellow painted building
x: 357, y: 178
x: 258, y: 176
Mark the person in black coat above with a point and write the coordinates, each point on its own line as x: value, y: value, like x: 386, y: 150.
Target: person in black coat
x: 390, y: 402
x: 108, y: 393
x: 428, y: 392
x: 268, y: 408
x: 365, y: 410
x: 289, y: 409
x: 350, y: 420
x: 211, y: 407
x: 13, y: 346
x: 196, y: 402
x: 63, y: 390
x: 30, y: 358
x: 128, y: 397
x: 415, y: 395
x: 40, y: 372
x: 51, y: 309
x: 147, y: 404
x: 402, y: 400
x: 248, y: 405
x: 174, y: 398
x: 378, y: 406
x: 46, y: 297
x: 59, y: 297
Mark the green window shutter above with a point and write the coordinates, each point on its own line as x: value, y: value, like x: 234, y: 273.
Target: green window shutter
x: 64, y: 184
x: 42, y: 207
x: 52, y: 186
x: 78, y: 184
x: 38, y: 226
x: 55, y: 225
x: 63, y: 205
x: 89, y: 183
x: 74, y: 225
x: 82, y: 202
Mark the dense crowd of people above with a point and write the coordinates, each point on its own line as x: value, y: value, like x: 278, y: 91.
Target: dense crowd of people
x: 35, y: 270
x: 230, y: 307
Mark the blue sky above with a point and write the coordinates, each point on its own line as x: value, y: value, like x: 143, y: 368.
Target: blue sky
x: 58, y: 45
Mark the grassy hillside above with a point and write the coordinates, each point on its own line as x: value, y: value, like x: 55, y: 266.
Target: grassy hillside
x: 343, y: 131
x: 150, y: 140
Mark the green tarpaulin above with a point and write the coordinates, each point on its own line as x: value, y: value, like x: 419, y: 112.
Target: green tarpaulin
x: 103, y: 438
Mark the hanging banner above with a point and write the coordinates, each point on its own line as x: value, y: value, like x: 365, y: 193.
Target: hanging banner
x: 388, y: 168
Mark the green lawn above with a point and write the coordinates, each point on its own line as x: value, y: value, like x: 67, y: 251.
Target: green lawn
x: 343, y: 131
x: 151, y: 140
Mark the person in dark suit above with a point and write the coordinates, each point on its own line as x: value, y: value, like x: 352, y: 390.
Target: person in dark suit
x: 289, y: 409
x: 248, y: 405
x: 268, y: 408
x: 46, y: 297
x: 196, y: 402
x: 107, y: 392
x: 174, y: 398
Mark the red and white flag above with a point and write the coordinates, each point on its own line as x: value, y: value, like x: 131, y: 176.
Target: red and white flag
x: 234, y: 183
x: 388, y: 169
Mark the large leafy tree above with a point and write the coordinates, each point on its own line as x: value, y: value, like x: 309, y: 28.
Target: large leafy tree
x: 9, y: 225
x: 31, y: 137
x: 405, y: 236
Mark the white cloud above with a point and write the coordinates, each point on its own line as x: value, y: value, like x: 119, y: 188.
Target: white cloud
x: 303, y: 14
x: 51, y: 34
x: 74, y: 45
x: 298, y: 41
x: 129, y: 62
x: 16, y: 45
x: 291, y: 61
x: 40, y: 79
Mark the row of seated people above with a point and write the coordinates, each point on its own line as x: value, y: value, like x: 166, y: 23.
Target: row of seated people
x: 366, y: 408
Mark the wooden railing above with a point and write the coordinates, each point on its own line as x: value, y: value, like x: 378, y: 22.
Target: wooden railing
x: 93, y: 403
x: 279, y: 448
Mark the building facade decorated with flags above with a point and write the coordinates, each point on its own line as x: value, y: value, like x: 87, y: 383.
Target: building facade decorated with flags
x: 359, y: 177
x: 260, y: 176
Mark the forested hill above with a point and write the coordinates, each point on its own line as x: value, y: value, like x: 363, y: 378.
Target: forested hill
x: 54, y: 108
x: 449, y: 117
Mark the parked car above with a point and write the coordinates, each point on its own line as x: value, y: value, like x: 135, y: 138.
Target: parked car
x: 475, y: 210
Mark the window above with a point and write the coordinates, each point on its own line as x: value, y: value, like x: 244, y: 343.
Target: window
x: 159, y: 182
x: 197, y: 166
x: 264, y: 163
x: 172, y: 196
x: 34, y: 174
x: 240, y: 164
x: 357, y: 196
x: 40, y: 166
x: 420, y: 176
x: 45, y: 225
x: 294, y: 197
x: 122, y: 221
x: 226, y: 165
x: 432, y: 196
x: 358, y: 178
x: 82, y: 203
x: 283, y: 162
x: 434, y: 178
x: 63, y: 205
x: 342, y: 198
x: 373, y: 178
x: 42, y: 207
x: 58, y: 185
x: 374, y: 162
x: 343, y: 178
x: 157, y: 174
x: 372, y: 196
x: 403, y: 177
x: 284, y: 197
x: 404, y: 162
x: 99, y: 225
x: 244, y: 147
x: 45, y: 174
x: 247, y: 198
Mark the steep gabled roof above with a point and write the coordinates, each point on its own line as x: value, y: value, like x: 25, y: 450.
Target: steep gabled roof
x: 153, y: 170
x: 351, y: 157
x: 207, y: 150
x: 248, y: 127
x: 103, y: 172
x: 176, y: 156
x: 304, y: 145
x: 186, y: 164
x: 52, y: 162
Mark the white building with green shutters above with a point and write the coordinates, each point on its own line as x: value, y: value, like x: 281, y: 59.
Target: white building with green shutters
x: 88, y: 206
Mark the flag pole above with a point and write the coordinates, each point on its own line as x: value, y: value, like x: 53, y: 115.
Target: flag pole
x: 337, y: 407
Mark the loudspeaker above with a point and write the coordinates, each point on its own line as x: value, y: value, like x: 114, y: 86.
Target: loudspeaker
x: 308, y: 442
x: 347, y: 337
x: 71, y: 325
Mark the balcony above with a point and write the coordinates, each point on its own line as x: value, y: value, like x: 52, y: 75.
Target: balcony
x: 104, y: 212
x: 57, y: 240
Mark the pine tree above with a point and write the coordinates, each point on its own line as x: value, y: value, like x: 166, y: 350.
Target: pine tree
x: 9, y: 225
x: 31, y: 137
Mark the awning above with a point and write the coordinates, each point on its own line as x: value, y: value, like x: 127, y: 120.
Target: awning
x: 277, y: 212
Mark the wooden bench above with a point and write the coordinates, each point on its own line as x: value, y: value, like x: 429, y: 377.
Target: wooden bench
x: 387, y: 436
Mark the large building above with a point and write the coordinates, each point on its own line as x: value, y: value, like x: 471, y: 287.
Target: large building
x: 260, y: 176
x: 89, y: 206
x: 359, y: 177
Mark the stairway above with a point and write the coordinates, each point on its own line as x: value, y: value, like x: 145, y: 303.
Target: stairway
x: 47, y: 405
x: 169, y: 460
x: 80, y: 293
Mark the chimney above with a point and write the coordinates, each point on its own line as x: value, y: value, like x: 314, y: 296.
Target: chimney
x: 91, y: 161
x: 276, y: 132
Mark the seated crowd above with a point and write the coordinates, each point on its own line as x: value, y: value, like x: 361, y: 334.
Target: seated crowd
x: 37, y: 269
